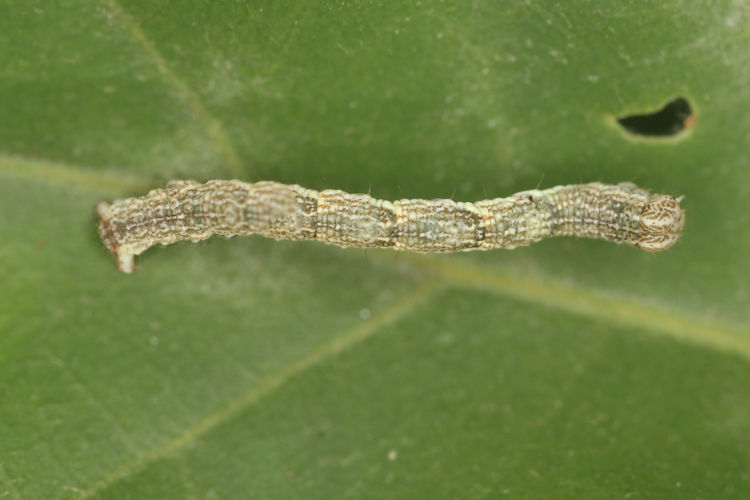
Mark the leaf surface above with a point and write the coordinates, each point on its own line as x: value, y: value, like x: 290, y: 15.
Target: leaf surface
x: 250, y: 368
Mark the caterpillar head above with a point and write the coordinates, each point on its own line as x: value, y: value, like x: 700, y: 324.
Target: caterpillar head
x: 662, y: 219
x: 110, y: 239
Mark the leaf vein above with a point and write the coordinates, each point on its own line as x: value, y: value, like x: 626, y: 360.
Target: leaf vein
x: 129, y: 441
x: 13, y: 489
x: 621, y: 309
x: 116, y: 183
x: 699, y: 330
x: 223, y: 146
x: 348, y: 339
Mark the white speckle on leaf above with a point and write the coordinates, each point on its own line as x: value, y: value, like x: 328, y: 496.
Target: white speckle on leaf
x: 446, y: 338
x: 364, y: 313
x: 392, y: 455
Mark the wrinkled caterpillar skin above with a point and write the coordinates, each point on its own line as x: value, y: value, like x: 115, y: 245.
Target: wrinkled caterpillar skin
x: 187, y: 210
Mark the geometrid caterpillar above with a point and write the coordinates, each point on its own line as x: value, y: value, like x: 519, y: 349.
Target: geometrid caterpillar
x: 187, y: 210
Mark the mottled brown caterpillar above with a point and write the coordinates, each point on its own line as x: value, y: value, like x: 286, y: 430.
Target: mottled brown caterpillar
x: 187, y: 210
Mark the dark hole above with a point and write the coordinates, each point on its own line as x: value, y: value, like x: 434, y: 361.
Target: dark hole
x: 669, y: 120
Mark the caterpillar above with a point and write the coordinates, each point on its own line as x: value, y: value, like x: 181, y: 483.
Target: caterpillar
x: 188, y: 210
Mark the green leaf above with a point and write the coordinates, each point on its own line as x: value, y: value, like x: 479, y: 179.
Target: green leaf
x: 250, y: 368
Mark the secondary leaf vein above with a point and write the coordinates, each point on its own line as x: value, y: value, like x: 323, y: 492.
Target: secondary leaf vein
x: 344, y: 341
x: 187, y: 95
x: 13, y: 489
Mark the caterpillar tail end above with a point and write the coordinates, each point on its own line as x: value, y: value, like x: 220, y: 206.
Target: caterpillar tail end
x: 661, y: 219
x: 125, y: 260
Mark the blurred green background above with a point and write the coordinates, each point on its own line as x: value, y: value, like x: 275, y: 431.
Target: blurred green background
x: 250, y: 368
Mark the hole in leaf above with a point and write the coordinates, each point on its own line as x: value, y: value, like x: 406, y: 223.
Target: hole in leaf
x: 672, y: 119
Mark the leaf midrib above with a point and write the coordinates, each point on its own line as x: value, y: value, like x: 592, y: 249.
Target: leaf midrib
x: 617, y: 307
x: 622, y: 309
